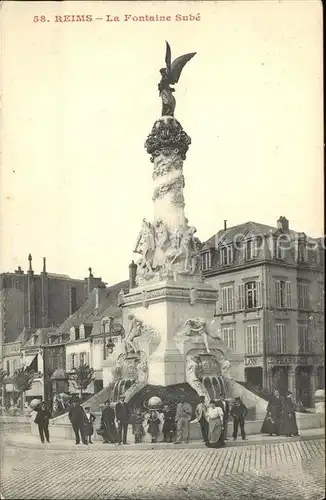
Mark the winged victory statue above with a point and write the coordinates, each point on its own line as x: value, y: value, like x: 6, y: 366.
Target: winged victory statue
x: 169, y: 76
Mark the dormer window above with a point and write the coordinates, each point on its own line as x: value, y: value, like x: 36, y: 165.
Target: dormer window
x: 226, y: 255
x: 279, y: 247
x: 88, y: 330
x: 250, y: 248
x: 206, y: 261
x: 302, y: 252
x: 77, y: 333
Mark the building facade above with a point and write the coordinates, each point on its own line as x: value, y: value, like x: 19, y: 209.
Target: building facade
x: 32, y: 301
x: 271, y: 303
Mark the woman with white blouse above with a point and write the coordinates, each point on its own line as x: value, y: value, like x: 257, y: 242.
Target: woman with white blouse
x: 214, y: 416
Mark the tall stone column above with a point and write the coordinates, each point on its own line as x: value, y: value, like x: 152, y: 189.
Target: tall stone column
x: 167, y: 144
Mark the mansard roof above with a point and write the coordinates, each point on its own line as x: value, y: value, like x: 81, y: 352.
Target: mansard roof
x: 247, y: 229
x: 88, y: 313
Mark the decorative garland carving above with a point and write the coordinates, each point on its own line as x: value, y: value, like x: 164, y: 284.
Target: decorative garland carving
x: 175, y: 185
x: 164, y: 164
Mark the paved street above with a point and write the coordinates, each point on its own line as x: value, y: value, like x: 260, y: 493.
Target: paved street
x: 275, y: 470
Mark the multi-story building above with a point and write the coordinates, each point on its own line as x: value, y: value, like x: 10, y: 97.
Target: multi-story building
x: 32, y: 301
x: 80, y: 340
x: 271, y: 303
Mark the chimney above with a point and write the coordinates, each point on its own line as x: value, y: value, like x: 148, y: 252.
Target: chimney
x: 283, y: 224
x: 30, y: 269
x: 225, y: 225
x: 72, y: 300
x: 90, y: 281
x: 132, y: 274
x: 45, y: 295
x: 99, y: 292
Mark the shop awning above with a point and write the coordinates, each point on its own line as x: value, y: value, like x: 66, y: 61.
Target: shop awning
x: 28, y: 360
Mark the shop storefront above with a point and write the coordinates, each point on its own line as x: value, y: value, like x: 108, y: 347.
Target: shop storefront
x: 254, y: 370
x: 300, y: 374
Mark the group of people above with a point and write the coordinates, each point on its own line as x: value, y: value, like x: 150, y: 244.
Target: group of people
x: 213, y: 420
x: 115, y: 422
x: 173, y: 426
x: 280, y: 417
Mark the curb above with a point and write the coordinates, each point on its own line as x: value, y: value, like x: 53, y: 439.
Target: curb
x: 196, y: 445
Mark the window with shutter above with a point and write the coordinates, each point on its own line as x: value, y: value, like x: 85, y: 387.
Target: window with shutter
x: 241, y: 297
x: 281, y: 341
x: 288, y: 294
x: 304, y: 343
x: 259, y: 299
x: 252, y: 339
x: 227, y: 304
x: 278, y: 293
x: 229, y: 337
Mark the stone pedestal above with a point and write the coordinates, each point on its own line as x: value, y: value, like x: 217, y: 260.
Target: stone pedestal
x: 163, y: 308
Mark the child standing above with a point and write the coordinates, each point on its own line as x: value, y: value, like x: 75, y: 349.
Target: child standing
x: 153, y: 425
x: 89, y: 429
x: 137, y: 420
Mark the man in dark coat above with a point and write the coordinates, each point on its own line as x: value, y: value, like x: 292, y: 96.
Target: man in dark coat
x: 122, y: 415
x: 272, y: 422
x: 201, y: 410
x: 108, y: 424
x: 77, y: 418
x: 42, y: 420
x: 169, y: 424
x: 289, y: 422
x: 238, y: 412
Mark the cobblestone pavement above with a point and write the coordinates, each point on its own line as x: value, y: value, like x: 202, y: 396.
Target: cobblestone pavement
x: 271, y: 471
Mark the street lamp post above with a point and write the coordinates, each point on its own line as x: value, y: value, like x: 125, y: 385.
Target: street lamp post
x: 106, y: 328
x: 110, y: 328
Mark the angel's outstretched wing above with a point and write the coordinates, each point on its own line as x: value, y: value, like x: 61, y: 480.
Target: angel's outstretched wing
x: 168, y: 57
x: 178, y: 65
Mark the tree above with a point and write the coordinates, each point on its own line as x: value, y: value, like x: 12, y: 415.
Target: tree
x: 83, y: 376
x: 23, y: 381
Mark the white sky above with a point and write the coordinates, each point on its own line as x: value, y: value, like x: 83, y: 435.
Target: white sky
x: 79, y: 100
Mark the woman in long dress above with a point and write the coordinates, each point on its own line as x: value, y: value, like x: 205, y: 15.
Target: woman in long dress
x: 214, y: 416
x: 272, y: 422
x: 289, y: 422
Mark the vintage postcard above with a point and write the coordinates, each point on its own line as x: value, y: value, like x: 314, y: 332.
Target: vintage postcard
x: 162, y: 250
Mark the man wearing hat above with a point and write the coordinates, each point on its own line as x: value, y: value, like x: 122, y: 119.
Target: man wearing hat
x: 238, y: 412
x: 122, y: 415
x: 201, y: 410
x: 108, y: 424
x: 77, y: 418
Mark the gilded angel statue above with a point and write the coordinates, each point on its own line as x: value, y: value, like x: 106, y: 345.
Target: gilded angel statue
x: 169, y: 76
